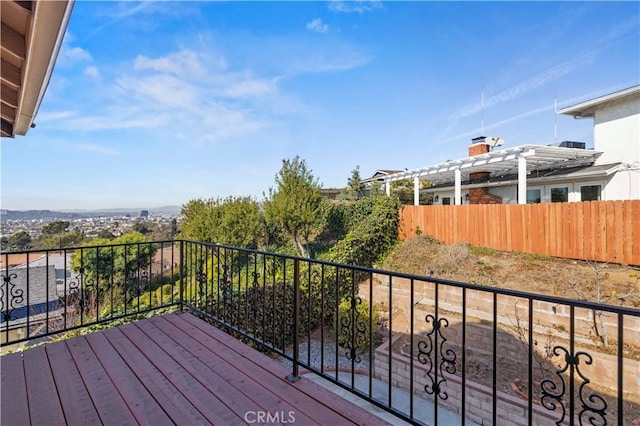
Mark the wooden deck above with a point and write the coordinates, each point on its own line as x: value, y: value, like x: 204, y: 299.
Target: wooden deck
x: 171, y: 369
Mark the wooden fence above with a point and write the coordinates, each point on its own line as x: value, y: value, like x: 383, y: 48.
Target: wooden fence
x: 605, y: 231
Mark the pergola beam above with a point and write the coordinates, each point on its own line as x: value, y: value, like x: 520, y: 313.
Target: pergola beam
x: 522, y: 180
x: 523, y: 160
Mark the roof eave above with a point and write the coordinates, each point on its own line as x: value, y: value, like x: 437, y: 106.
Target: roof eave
x: 588, y: 108
x: 50, y: 20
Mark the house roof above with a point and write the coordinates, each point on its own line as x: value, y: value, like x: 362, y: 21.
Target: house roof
x: 31, y: 36
x: 378, y: 174
x: 576, y: 172
x: 588, y: 108
x: 57, y: 261
x: 502, y: 162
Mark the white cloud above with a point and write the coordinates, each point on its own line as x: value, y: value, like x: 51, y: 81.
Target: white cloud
x: 159, y: 90
x: 98, y: 149
x: 69, y: 56
x: 318, y: 26
x: 356, y: 6
x: 526, y: 86
x: 178, y: 63
x: 198, y: 92
x: 92, y: 71
x: 246, y: 88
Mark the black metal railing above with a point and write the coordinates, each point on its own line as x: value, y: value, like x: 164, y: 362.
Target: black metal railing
x: 46, y: 292
x: 429, y: 351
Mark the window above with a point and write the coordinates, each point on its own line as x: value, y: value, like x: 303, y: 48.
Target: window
x: 534, y: 196
x: 590, y: 193
x: 446, y: 201
x: 560, y: 194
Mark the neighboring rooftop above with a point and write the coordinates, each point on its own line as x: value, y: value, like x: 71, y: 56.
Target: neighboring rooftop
x: 501, y: 162
x: 588, y: 108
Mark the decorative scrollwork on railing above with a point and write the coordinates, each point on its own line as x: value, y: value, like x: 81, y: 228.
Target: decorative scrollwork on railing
x: 201, y: 279
x: 426, y: 350
x: 145, y: 280
x: 553, y: 395
x: 87, y: 292
x: 224, y: 287
x: 256, y: 302
x: 10, y: 297
x: 596, y: 411
x: 353, y: 328
x: 73, y: 288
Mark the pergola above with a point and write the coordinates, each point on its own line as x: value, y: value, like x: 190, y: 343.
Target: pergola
x: 31, y: 36
x: 523, y: 159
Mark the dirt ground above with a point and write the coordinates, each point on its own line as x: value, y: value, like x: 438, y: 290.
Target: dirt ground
x: 597, y: 282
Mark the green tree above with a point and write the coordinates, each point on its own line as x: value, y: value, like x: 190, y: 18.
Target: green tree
x: 142, y: 227
x: 119, y: 260
x: 355, y: 187
x: 56, y: 227
x: 4, y: 243
x: 174, y: 227
x: 106, y: 234
x: 19, y: 241
x: 61, y: 240
x: 234, y: 221
x: 294, y: 204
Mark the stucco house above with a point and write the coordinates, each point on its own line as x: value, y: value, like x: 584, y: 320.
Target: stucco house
x: 563, y: 172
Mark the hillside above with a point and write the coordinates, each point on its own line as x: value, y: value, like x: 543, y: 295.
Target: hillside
x: 619, y: 285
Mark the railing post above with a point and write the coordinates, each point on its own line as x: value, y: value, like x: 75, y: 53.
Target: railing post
x: 294, y: 376
x: 181, y: 275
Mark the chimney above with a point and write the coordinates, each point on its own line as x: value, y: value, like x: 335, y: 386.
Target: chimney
x: 479, y: 146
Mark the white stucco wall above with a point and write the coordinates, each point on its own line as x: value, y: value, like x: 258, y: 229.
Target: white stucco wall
x: 623, y: 185
x: 617, y: 131
x: 509, y: 194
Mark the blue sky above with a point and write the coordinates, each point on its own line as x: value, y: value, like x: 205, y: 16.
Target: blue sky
x: 157, y: 103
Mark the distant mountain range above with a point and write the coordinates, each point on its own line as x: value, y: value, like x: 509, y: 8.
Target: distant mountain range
x: 79, y: 214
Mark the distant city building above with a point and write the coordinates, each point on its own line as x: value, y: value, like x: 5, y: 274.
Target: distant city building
x: 144, y: 214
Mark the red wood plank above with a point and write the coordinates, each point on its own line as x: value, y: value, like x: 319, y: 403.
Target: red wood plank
x: 14, y: 409
x: 588, y: 231
x: 206, y: 402
x: 105, y: 396
x: 602, y: 230
x: 580, y: 231
x: 76, y: 402
x: 236, y: 388
x: 347, y: 411
x: 635, y: 231
x: 628, y: 220
x: 44, y: 404
x: 612, y: 253
x: 618, y: 232
x: 122, y: 360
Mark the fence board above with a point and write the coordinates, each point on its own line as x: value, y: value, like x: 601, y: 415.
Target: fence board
x: 595, y: 230
x: 579, y: 231
x: 635, y: 233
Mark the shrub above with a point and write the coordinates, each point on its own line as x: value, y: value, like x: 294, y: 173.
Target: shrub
x: 373, y: 235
